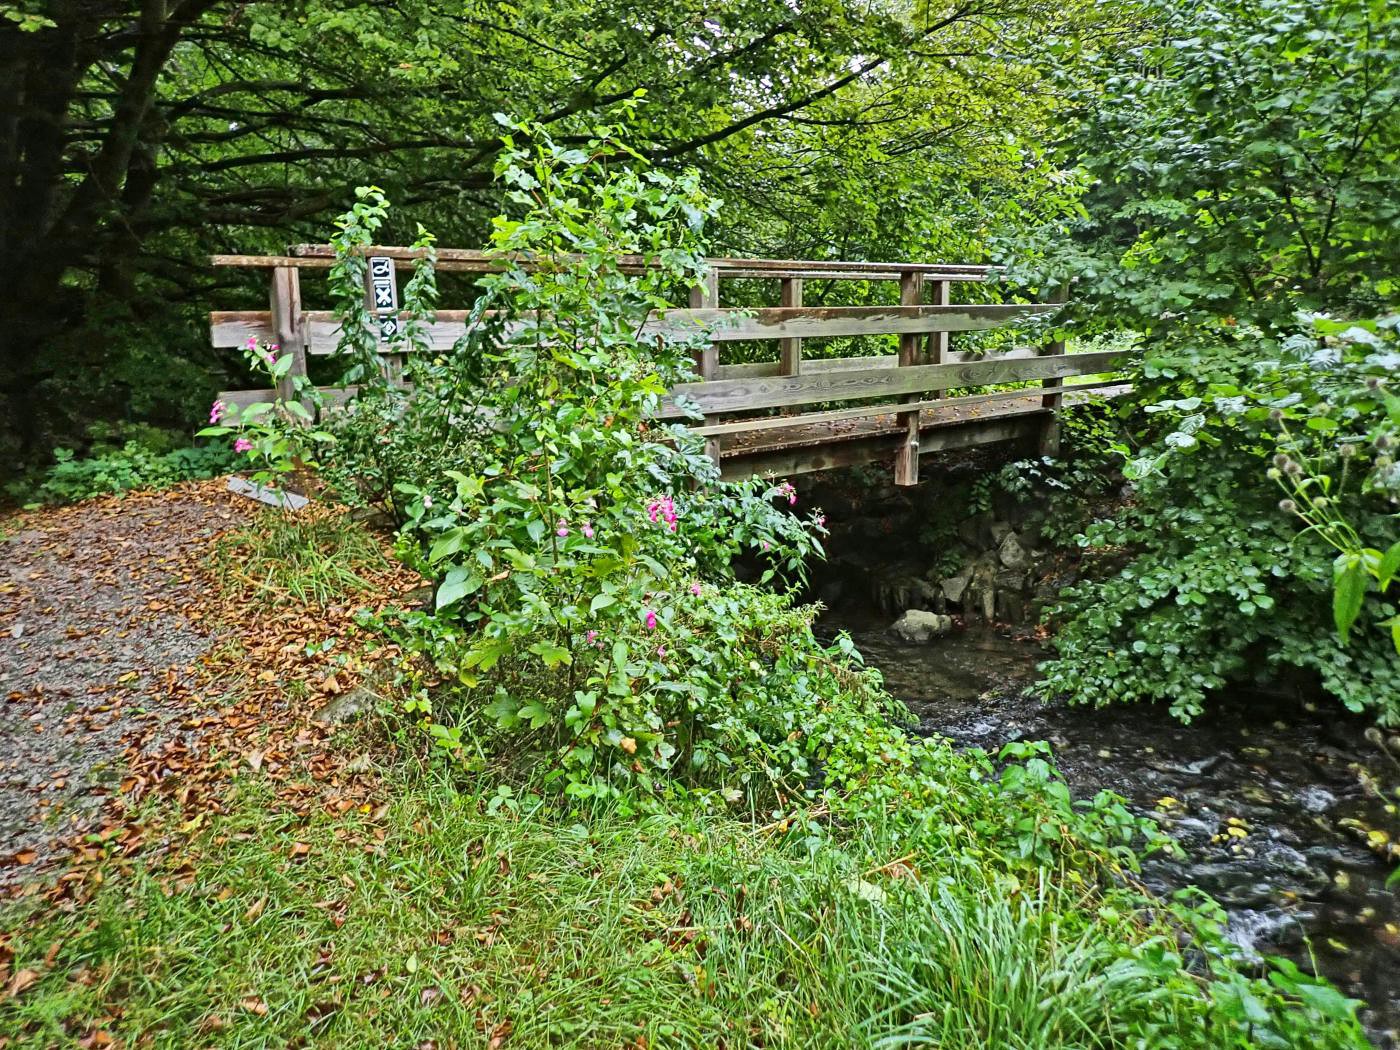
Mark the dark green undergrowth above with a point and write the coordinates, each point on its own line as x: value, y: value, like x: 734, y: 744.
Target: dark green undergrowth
x: 145, y: 459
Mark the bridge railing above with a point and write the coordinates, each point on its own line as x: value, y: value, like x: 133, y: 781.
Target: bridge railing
x: 905, y: 409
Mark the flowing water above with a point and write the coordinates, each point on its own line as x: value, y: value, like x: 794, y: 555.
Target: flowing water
x: 1259, y: 792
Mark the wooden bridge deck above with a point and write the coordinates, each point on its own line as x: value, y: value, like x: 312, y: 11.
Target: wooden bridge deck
x: 829, y: 412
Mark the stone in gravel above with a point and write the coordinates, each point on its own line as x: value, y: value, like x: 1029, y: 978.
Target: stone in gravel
x: 349, y: 707
x: 918, y: 627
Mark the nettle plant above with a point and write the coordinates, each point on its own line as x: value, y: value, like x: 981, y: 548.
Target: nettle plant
x: 1211, y: 581
x: 583, y: 551
x: 277, y: 438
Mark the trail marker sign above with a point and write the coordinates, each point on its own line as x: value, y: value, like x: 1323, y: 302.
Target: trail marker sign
x: 384, y: 296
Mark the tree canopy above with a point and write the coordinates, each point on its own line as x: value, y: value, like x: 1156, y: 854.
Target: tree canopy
x: 140, y: 136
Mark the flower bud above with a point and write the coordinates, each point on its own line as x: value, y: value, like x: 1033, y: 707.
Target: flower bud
x: 1288, y: 506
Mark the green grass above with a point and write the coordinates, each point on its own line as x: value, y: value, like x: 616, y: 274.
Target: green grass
x: 443, y: 921
x: 314, y: 557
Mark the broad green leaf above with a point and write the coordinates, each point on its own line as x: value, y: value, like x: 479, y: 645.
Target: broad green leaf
x: 456, y: 585
x: 1349, y: 591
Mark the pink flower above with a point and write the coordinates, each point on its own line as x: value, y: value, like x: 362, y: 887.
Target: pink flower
x: 821, y: 521
x: 242, y: 445
x: 695, y: 589
x: 662, y: 508
x: 661, y: 651
x: 563, y: 529
x: 591, y: 636
x: 765, y: 544
x: 786, y: 489
x: 587, y: 530
x: 252, y: 343
x: 427, y: 502
x: 650, y: 619
x: 216, y: 411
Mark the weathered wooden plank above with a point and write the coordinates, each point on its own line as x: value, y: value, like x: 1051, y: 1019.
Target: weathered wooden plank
x: 1049, y: 442
x: 906, y: 459
x: 332, y: 396
x: 766, y: 266
x: 1106, y: 387
x: 706, y: 296
x: 739, y: 395
x: 732, y: 324
x: 874, y: 449
x: 851, y: 272
x: 321, y: 331
x: 848, y: 364
x: 939, y: 343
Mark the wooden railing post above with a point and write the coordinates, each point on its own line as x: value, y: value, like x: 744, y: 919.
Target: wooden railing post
x: 906, y: 461
x: 790, y: 350
x: 939, y: 342
x: 285, y: 304
x: 1048, y: 443
x: 705, y: 295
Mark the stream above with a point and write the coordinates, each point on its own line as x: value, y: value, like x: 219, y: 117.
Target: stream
x: 1255, y: 791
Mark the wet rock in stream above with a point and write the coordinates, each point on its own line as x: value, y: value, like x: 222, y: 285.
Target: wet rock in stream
x: 1264, y: 796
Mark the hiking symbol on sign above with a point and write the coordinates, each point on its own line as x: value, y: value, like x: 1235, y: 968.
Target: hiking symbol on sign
x: 384, y: 296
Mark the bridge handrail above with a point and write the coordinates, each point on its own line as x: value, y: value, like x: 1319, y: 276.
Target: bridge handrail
x: 917, y: 378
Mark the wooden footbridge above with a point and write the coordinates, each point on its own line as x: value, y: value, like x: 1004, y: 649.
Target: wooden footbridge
x: 787, y: 413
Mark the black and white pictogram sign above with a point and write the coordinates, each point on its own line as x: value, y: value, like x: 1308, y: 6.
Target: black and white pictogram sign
x: 384, y: 296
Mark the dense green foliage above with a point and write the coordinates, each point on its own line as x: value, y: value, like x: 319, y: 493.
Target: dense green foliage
x: 1239, y: 159
x: 145, y: 461
x: 1243, y: 160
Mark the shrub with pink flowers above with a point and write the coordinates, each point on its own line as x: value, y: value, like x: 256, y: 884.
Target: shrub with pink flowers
x: 584, y: 553
x: 278, y: 437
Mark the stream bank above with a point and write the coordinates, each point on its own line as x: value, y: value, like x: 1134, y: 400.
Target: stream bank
x: 1257, y: 792
x: 1270, y: 796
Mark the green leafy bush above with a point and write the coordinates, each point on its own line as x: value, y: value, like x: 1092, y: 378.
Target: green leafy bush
x: 1216, y: 583
x: 134, y: 465
x: 574, y: 534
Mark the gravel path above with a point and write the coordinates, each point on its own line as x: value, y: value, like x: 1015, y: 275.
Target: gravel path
x: 100, y: 628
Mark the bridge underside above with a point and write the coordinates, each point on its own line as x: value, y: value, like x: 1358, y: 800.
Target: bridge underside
x: 803, y: 448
